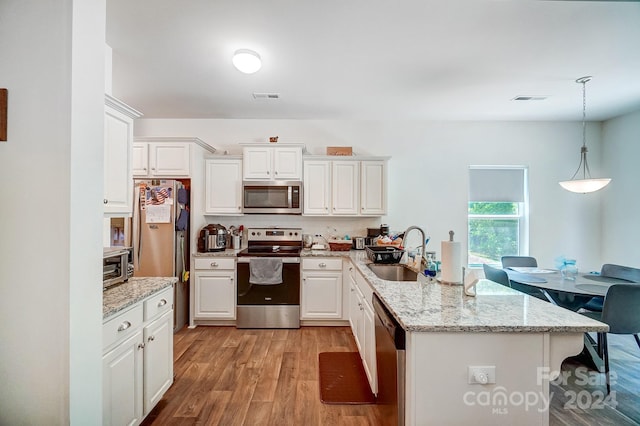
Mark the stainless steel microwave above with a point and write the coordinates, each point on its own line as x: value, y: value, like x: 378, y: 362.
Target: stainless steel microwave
x: 272, y: 197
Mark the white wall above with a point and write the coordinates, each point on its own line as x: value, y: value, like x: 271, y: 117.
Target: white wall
x: 428, y: 178
x: 51, y: 174
x: 621, y: 206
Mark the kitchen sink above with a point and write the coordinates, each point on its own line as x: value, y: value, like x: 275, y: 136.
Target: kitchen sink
x: 393, y: 272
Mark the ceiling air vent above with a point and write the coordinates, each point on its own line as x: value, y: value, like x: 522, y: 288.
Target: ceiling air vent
x: 266, y: 95
x: 529, y: 98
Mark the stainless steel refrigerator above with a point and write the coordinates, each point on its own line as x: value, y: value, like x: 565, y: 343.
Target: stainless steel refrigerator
x: 160, y: 236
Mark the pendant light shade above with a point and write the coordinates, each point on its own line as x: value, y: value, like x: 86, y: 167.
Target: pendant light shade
x: 247, y: 61
x: 585, y: 184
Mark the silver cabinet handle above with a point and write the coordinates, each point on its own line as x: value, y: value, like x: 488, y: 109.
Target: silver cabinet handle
x: 162, y: 302
x: 268, y: 172
x: 124, y: 326
x: 144, y: 168
x: 214, y: 264
x: 351, y: 268
x: 276, y: 172
x: 151, y: 338
x: 105, y: 201
x: 140, y: 346
x: 322, y: 265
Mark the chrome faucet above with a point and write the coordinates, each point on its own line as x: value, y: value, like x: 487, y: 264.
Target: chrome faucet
x: 423, y: 260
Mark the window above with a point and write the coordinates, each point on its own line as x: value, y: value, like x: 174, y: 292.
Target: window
x: 497, y: 214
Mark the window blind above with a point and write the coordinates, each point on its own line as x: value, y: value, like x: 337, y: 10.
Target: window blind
x: 496, y: 185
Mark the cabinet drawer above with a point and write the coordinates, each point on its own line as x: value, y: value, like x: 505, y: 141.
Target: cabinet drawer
x: 322, y: 264
x: 121, y: 326
x: 158, y: 303
x: 213, y: 263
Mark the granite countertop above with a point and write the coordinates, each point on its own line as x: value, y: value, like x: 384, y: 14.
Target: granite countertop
x: 121, y: 296
x: 222, y: 253
x: 423, y: 306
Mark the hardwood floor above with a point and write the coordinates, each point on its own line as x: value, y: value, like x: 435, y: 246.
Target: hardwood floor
x: 226, y: 376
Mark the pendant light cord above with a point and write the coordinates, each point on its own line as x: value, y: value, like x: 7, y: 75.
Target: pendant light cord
x: 586, y: 173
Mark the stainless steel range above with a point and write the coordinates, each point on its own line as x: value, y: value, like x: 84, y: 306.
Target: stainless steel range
x: 269, y: 279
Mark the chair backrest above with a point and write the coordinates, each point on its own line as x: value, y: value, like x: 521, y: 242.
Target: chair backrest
x: 621, y: 309
x: 509, y: 261
x: 622, y: 272
x: 496, y: 275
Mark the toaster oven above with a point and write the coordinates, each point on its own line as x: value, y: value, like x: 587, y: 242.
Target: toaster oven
x: 115, y: 266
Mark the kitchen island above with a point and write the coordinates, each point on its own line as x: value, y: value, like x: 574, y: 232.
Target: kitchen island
x: 519, y: 339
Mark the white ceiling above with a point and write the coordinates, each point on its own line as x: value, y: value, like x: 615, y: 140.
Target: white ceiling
x: 373, y: 59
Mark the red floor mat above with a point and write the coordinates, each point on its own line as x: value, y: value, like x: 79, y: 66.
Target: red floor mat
x: 343, y: 380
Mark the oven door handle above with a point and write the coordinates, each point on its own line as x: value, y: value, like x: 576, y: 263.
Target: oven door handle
x: 284, y: 259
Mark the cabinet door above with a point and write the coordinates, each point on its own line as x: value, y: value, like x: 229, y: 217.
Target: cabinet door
x: 140, y: 159
x: 369, y: 350
x: 355, y: 315
x: 317, y: 187
x: 170, y: 159
x: 345, y: 188
x: 223, y: 186
x: 321, y: 295
x: 118, y: 182
x: 158, y: 359
x: 215, y: 295
x: 256, y: 163
x: 287, y: 163
x: 373, y: 195
x: 122, y: 383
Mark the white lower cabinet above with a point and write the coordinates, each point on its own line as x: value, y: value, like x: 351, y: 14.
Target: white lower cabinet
x: 158, y: 359
x: 321, y: 288
x: 137, y: 364
x: 362, y: 320
x: 214, y: 288
x: 122, y: 383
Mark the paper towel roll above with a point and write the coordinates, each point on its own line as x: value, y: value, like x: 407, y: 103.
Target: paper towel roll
x: 451, y: 262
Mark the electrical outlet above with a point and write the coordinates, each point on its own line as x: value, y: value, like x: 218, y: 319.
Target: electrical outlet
x: 482, y: 375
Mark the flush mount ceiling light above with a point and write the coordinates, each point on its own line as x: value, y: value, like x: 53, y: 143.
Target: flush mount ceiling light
x: 247, y: 61
x: 587, y: 183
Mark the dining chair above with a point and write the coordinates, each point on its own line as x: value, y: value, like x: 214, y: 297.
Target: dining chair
x: 523, y: 261
x: 621, y: 311
x: 509, y: 261
x: 496, y: 275
x: 613, y: 271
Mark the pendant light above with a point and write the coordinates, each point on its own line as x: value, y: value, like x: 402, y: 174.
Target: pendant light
x: 586, y: 183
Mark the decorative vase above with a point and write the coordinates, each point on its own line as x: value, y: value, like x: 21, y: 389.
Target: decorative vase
x: 569, y: 270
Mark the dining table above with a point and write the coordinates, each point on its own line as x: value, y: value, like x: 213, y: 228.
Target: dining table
x: 570, y: 291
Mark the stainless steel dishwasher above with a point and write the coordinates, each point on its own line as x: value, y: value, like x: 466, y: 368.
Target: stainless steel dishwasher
x: 390, y: 360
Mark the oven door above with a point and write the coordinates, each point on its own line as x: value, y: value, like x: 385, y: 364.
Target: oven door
x: 287, y: 293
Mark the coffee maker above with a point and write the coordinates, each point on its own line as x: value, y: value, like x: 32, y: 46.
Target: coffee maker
x: 212, y: 237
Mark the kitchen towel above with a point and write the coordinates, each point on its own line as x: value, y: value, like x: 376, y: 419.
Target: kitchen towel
x: 451, y: 262
x: 265, y: 271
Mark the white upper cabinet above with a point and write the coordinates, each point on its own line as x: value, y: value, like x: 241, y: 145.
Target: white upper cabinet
x: 272, y: 163
x: 344, y: 187
x: 317, y: 187
x: 223, y: 186
x: 373, y: 188
x: 118, y: 137
x: 162, y: 159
